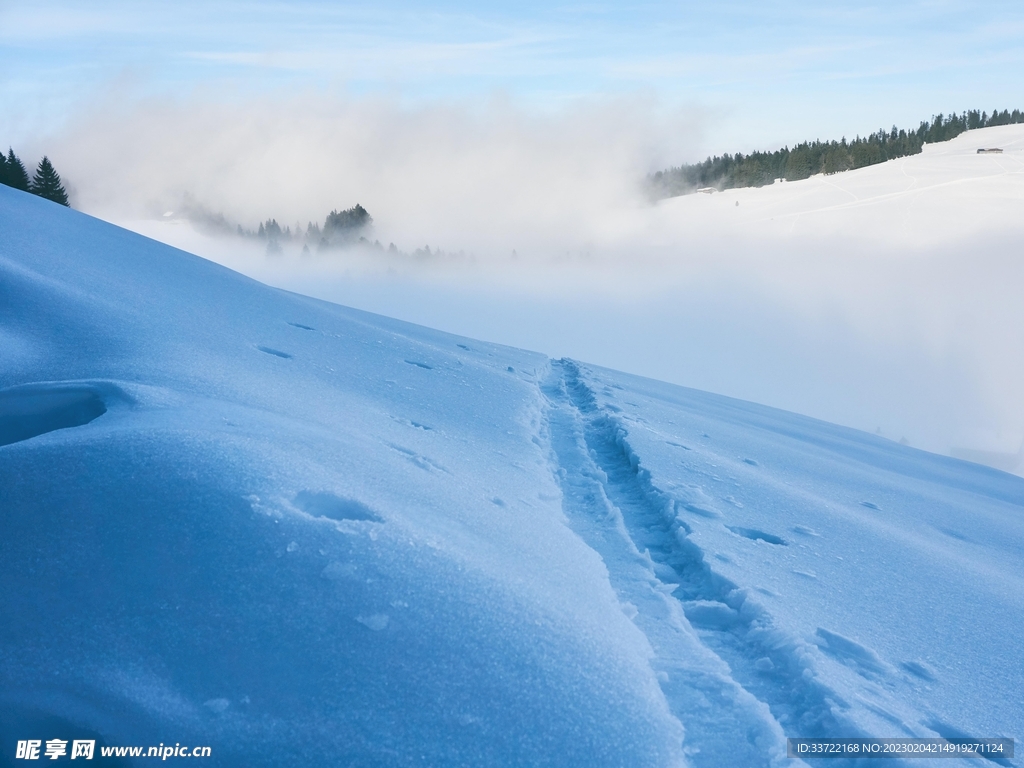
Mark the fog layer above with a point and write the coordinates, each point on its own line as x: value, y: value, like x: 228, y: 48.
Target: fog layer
x: 884, y: 298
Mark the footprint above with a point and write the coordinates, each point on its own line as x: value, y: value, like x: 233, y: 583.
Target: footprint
x: 697, y: 509
x: 804, y: 530
x: 698, y: 502
x: 870, y: 505
x: 275, y: 352
x: 420, y: 365
x: 755, y: 535
x: 303, y: 327
x: 420, y: 461
x: 851, y: 653
x: 326, y: 504
x: 413, y: 424
x: 751, y: 462
x: 35, y: 409
x: 919, y: 669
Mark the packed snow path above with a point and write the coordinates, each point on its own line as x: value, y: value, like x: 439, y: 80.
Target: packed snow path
x: 724, y: 665
x: 303, y: 534
x: 650, y: 562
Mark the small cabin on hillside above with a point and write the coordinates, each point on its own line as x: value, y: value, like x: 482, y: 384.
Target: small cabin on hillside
x: 990, y: 151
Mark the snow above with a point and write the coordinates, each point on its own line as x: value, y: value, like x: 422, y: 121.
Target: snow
x: 885, y: 298
x: 305, y: 534
x: 948, y: 192
x: 844, y: 615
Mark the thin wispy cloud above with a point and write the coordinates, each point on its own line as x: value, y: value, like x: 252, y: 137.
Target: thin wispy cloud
x: 734, y: 54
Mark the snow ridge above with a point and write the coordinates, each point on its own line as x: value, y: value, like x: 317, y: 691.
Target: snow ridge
x: 707, y: 635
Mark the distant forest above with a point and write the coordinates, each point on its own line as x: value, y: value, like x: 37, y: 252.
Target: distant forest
x: 45, y: 182
x: 761, y: 168
x: 341, y: 228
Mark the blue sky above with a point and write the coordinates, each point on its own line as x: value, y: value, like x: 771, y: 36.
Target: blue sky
x: 761, y: 73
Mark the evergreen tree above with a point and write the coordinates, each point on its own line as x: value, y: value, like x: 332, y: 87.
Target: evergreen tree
x: 46, y: 183
x: 343, y: 227
x: 14, y: 172
x: 272, y: 230
x: 800, y: 163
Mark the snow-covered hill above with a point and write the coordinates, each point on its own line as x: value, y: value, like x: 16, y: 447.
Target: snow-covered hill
x: 307, y: 535
x: 949, y: 192
x: 886, y: 298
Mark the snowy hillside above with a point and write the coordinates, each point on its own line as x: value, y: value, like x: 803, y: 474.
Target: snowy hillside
x: 949, y: 191
x: 886, y: 298
x: 307, y: 535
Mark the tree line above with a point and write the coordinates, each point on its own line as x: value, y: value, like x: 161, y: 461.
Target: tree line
x: 45, y: 182
x: 811, y: 157
x: 341, y: 228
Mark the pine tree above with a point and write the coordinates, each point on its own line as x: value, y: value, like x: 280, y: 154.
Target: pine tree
x: 15, y: 174
x: 343, y: 227
x: 46, y: 183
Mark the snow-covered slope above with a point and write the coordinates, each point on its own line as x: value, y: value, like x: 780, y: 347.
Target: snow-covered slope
x: 303, y: 534
x: 948, y: 192
x: 886, y: 298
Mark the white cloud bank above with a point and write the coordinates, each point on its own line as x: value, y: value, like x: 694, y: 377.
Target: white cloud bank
x: 882, y: 298
x: 485, y: 180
